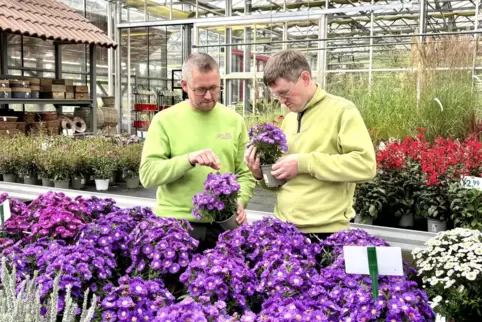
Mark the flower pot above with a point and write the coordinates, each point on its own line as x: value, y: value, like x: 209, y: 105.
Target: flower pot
x: 363, y: 220
x: 229, y: 223
x: 269, y: 179
x: 406, y: 220
x: 61, y: 184
x: 30, y: 180
x: 8, y: 177
x: 77, y: 183
x: 46, y: 182
x: 435, y: 225
x: 132, y: 183
x: 101, y: 184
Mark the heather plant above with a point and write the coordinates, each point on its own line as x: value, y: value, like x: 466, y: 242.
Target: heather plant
x: 22, y: 302
x: 218, y: 201
x: 270, y: 142
x: 130, y: 160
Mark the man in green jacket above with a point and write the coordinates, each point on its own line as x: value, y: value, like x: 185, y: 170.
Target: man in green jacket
x: 329, y: 150
x: 191, y: 139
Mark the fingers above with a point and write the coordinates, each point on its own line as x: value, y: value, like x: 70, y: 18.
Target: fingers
x: 241, y: 216
x: 205, y: 158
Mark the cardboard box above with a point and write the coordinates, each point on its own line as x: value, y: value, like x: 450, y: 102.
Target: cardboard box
x: 45, y: 82
x: 53, y: 95
x: 52, y: 88
x: 81, y: 89
x: 82, y: 96
x: 69, y: 95
x: 69, y: 88
x: 69, y: 82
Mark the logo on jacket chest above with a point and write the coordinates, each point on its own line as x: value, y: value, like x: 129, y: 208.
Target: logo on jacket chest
x: 225, y: 136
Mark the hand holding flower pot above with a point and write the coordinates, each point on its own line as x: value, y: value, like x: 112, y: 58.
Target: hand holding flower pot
x: 270, y: 144
x: 219, y: 200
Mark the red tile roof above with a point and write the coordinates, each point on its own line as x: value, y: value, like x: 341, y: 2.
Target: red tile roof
x: 50, y: 19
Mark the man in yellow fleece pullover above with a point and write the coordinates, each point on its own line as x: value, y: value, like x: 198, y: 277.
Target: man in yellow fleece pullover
x: 191, y: 139
x: 329, y: 150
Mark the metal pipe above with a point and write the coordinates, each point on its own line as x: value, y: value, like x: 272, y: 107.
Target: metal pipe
x: 110, y: 51
x: 476, y: 47
x: 93, y: 87
x: 129, y: 84
x: 370, y: 63
x: 58, y: 61
x: 468, y: 32
x: 264, y: 18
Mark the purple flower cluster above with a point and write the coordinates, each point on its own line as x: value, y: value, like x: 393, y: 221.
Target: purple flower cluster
x: 220, y: 276
x: 95, y: 207
x: 83, y: 266
x: 269, y: 238
x: 191, y: 310
x: 112, y: 232
x: 5, y: 243
x: 218, y: 201
x: 269, y: 140
x: 134, y: 299
x: 161, y: 245
x: 55, y: 223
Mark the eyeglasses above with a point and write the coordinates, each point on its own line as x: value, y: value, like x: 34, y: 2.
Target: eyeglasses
x: 286, y: 94
x: 202, y: 91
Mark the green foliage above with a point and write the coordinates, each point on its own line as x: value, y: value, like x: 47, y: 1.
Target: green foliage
x: 466, y: 207
x: 130, y: 160
x: 370, y: 199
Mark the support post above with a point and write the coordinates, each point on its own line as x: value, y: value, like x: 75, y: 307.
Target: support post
x: 118, y: 83
x: 322, y: 48
x: 228, y: 57
x: 246, y: 57
x: 422, y: 28
x: 129, y: 83
x: 93, y: 87
x: 476, y: 45
x: 58, y: 61
x: 110, y: 51
x: 370, y: 62
x: 3, y: 54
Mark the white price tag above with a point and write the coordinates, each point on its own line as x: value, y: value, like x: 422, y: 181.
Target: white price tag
x: 469, y: 182
x: 6, y: 210
x: 4, y: 119
x: 389, y: 260
x: 68, y: 132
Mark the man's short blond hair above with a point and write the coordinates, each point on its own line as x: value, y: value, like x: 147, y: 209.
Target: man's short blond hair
x: 201, y: 62
x: 287, y: 64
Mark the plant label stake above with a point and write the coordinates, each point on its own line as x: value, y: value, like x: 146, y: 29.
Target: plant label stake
x: 373, y: 261
x: 4, y: 214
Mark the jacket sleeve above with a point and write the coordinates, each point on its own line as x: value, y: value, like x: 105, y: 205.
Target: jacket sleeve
x: 157, y: 166
x: 356, y: 163
x: 245, y: 178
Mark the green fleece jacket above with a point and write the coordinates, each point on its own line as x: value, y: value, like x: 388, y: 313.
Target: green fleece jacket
x: 335, y: 152
x: 176, y: 132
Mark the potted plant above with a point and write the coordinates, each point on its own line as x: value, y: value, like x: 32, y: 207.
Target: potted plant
x: 433, y: 203
x: 466, y: 207
x: 370, y: 199
x: 103, y: 166
x: 449, y: 265
x: 10, y: 160
x: 219, y: 200
x: 62, y: 166
x: 130, y: 161
x: 80, y: 165
x: 270, y: 143
x: 27, y: 167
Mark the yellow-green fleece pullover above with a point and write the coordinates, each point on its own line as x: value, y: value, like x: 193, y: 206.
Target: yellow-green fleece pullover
x: 176, y: 132
x: 335, y: 152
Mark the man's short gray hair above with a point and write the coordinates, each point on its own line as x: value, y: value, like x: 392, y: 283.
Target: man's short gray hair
x: 287, y: 64
x: 198, y: 61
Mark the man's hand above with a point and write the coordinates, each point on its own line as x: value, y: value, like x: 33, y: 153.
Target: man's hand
x: 206, y: 158
x: 252, y: 160
x: 240, y: 214
x: 286, y: 167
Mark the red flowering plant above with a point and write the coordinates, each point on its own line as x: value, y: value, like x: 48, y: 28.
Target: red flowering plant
x: 400, y: 176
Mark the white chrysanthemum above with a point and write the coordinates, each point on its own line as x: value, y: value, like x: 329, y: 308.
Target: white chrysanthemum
x: 471, y: 276
x: 437, y: 299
